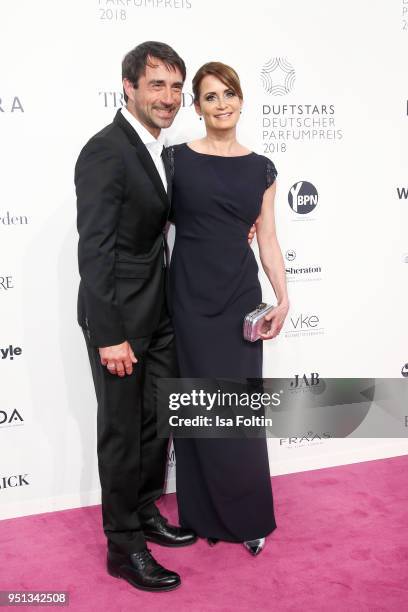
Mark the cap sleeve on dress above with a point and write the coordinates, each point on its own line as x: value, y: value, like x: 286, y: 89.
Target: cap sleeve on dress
x: 271, y: 173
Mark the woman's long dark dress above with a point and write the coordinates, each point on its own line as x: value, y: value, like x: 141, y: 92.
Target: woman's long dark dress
x: 223, y: 485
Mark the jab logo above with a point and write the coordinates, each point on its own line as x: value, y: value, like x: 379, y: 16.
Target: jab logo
x: 305, y: 380
x: 303, y: 197
x: 10, y: 352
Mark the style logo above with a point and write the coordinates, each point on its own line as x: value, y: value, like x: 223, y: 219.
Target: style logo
x: 402, y: 193
x: 10, y: 419
x: 404, y: 370
x: 10, y: 352
x: 303, y: 197
x: 17, y: 480
x: 13, y: 219
x: 6, y: 283
x: 11, y: 105
x: 290, y: 254
x: 278, y: 76
x: 302, y: 380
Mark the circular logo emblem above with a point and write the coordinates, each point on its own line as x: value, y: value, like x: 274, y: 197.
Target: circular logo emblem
x: 303, y: 197
x: 404, y: 370
x: 290, y: 254
x: 278, y: 76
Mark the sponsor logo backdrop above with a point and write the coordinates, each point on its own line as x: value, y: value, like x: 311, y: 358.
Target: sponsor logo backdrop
x: 331, y: 113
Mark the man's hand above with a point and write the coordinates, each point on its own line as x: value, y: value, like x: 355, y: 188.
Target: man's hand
x: 118, y: 359
x: 252, y: 232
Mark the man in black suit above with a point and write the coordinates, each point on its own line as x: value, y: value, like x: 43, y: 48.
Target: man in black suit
x: 123, y: 190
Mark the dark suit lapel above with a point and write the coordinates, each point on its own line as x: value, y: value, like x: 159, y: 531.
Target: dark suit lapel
x: 144, y: 156
x: 169, y: 175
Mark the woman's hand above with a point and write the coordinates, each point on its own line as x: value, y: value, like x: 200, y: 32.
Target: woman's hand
x: 274, y: 321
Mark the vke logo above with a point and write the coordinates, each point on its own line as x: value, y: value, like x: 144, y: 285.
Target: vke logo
x: 10, y: 352
x: 305, y: 321
x: 14, y: 418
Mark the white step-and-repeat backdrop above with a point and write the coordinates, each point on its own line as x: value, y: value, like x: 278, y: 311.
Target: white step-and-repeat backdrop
x: 325, y: 98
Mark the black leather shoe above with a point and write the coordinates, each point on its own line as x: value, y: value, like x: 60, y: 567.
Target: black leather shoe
x: 142, y: 571
x: 212, y: 541
x: 158, y: 530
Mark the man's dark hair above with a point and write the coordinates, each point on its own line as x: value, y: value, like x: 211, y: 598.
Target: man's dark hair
x: 135, y: 62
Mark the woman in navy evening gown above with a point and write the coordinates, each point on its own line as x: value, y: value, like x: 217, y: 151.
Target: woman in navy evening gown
x: 219, y: 190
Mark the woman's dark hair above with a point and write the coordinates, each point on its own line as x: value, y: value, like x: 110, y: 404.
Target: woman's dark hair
x: 224, y: 73
x: 135, y: 62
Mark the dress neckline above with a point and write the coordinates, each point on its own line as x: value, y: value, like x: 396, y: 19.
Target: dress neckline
x: 220, y: 156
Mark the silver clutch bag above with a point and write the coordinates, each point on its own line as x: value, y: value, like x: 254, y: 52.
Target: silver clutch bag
x: 254, y: 322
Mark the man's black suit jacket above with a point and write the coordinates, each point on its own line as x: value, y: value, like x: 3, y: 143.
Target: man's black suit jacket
x: 122, y: 213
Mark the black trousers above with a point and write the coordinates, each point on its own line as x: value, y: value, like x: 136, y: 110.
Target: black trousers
x: 131, y: 458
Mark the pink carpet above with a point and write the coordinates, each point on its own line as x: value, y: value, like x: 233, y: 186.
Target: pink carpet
x: 341, y: 544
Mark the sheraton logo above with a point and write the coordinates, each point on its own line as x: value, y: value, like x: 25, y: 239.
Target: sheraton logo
x: 299, y: 273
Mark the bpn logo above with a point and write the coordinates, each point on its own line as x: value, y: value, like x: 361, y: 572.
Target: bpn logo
x: 303, y: 197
